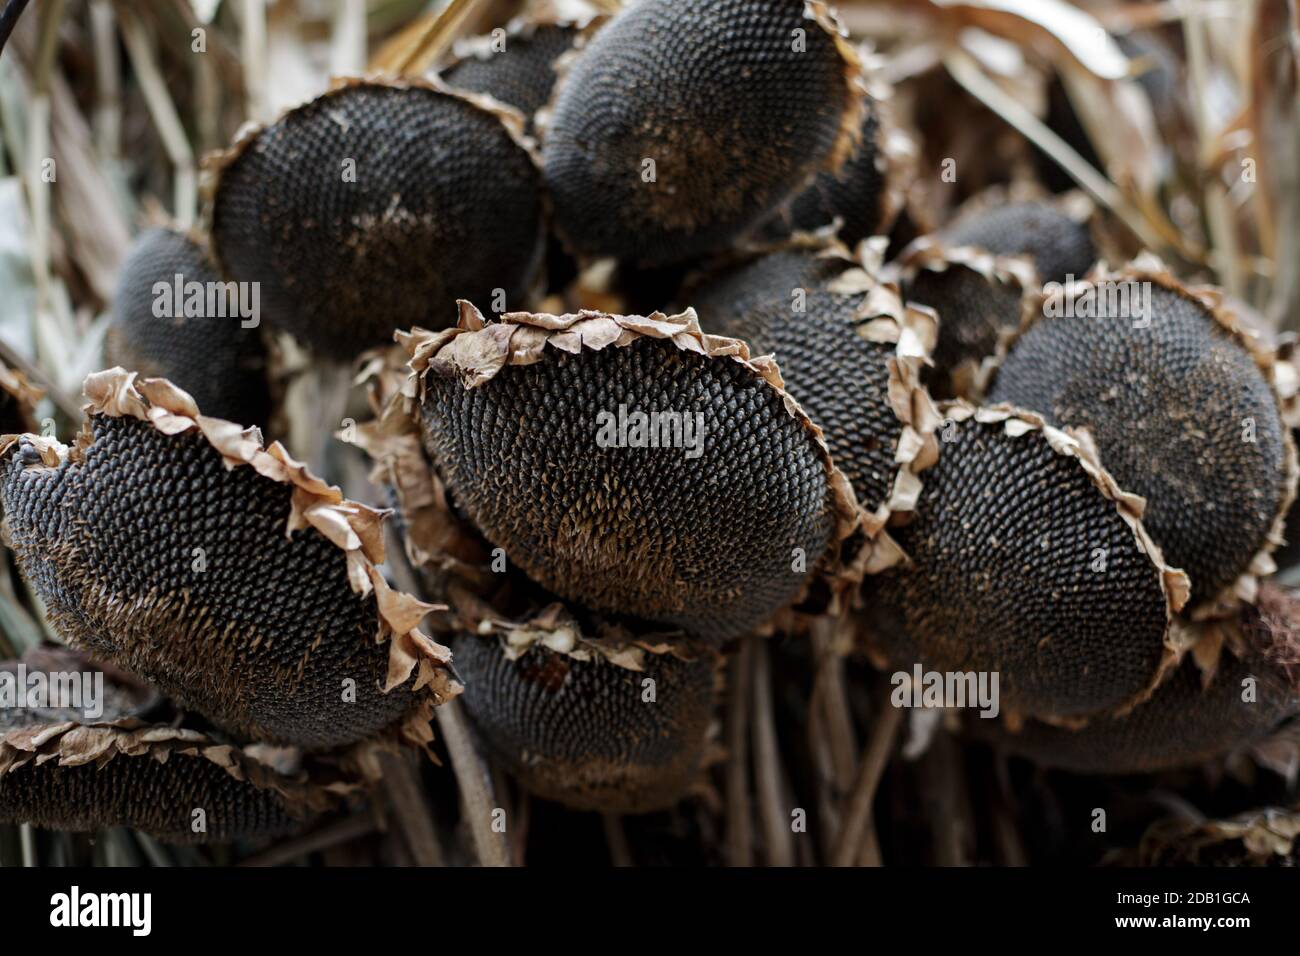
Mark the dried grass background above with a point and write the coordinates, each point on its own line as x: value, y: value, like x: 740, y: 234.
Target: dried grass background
x: 1193, y: 152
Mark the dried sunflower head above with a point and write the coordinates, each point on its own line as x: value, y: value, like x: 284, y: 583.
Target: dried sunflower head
x: 617, y: 722
x: 632, y: 464
x: 848, y: 348
x: 1026, y: 559
x: 370, y: 208
x: 864, y: 197
x: 982, y: 272
x: 1240, y: 689
x: 980, y: 300
x: 1054, y: 234
x: 177, y: 547
x: 65, y: 767
x: 517, y: 64
x: 174, y: 318
x: 660, y: 150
